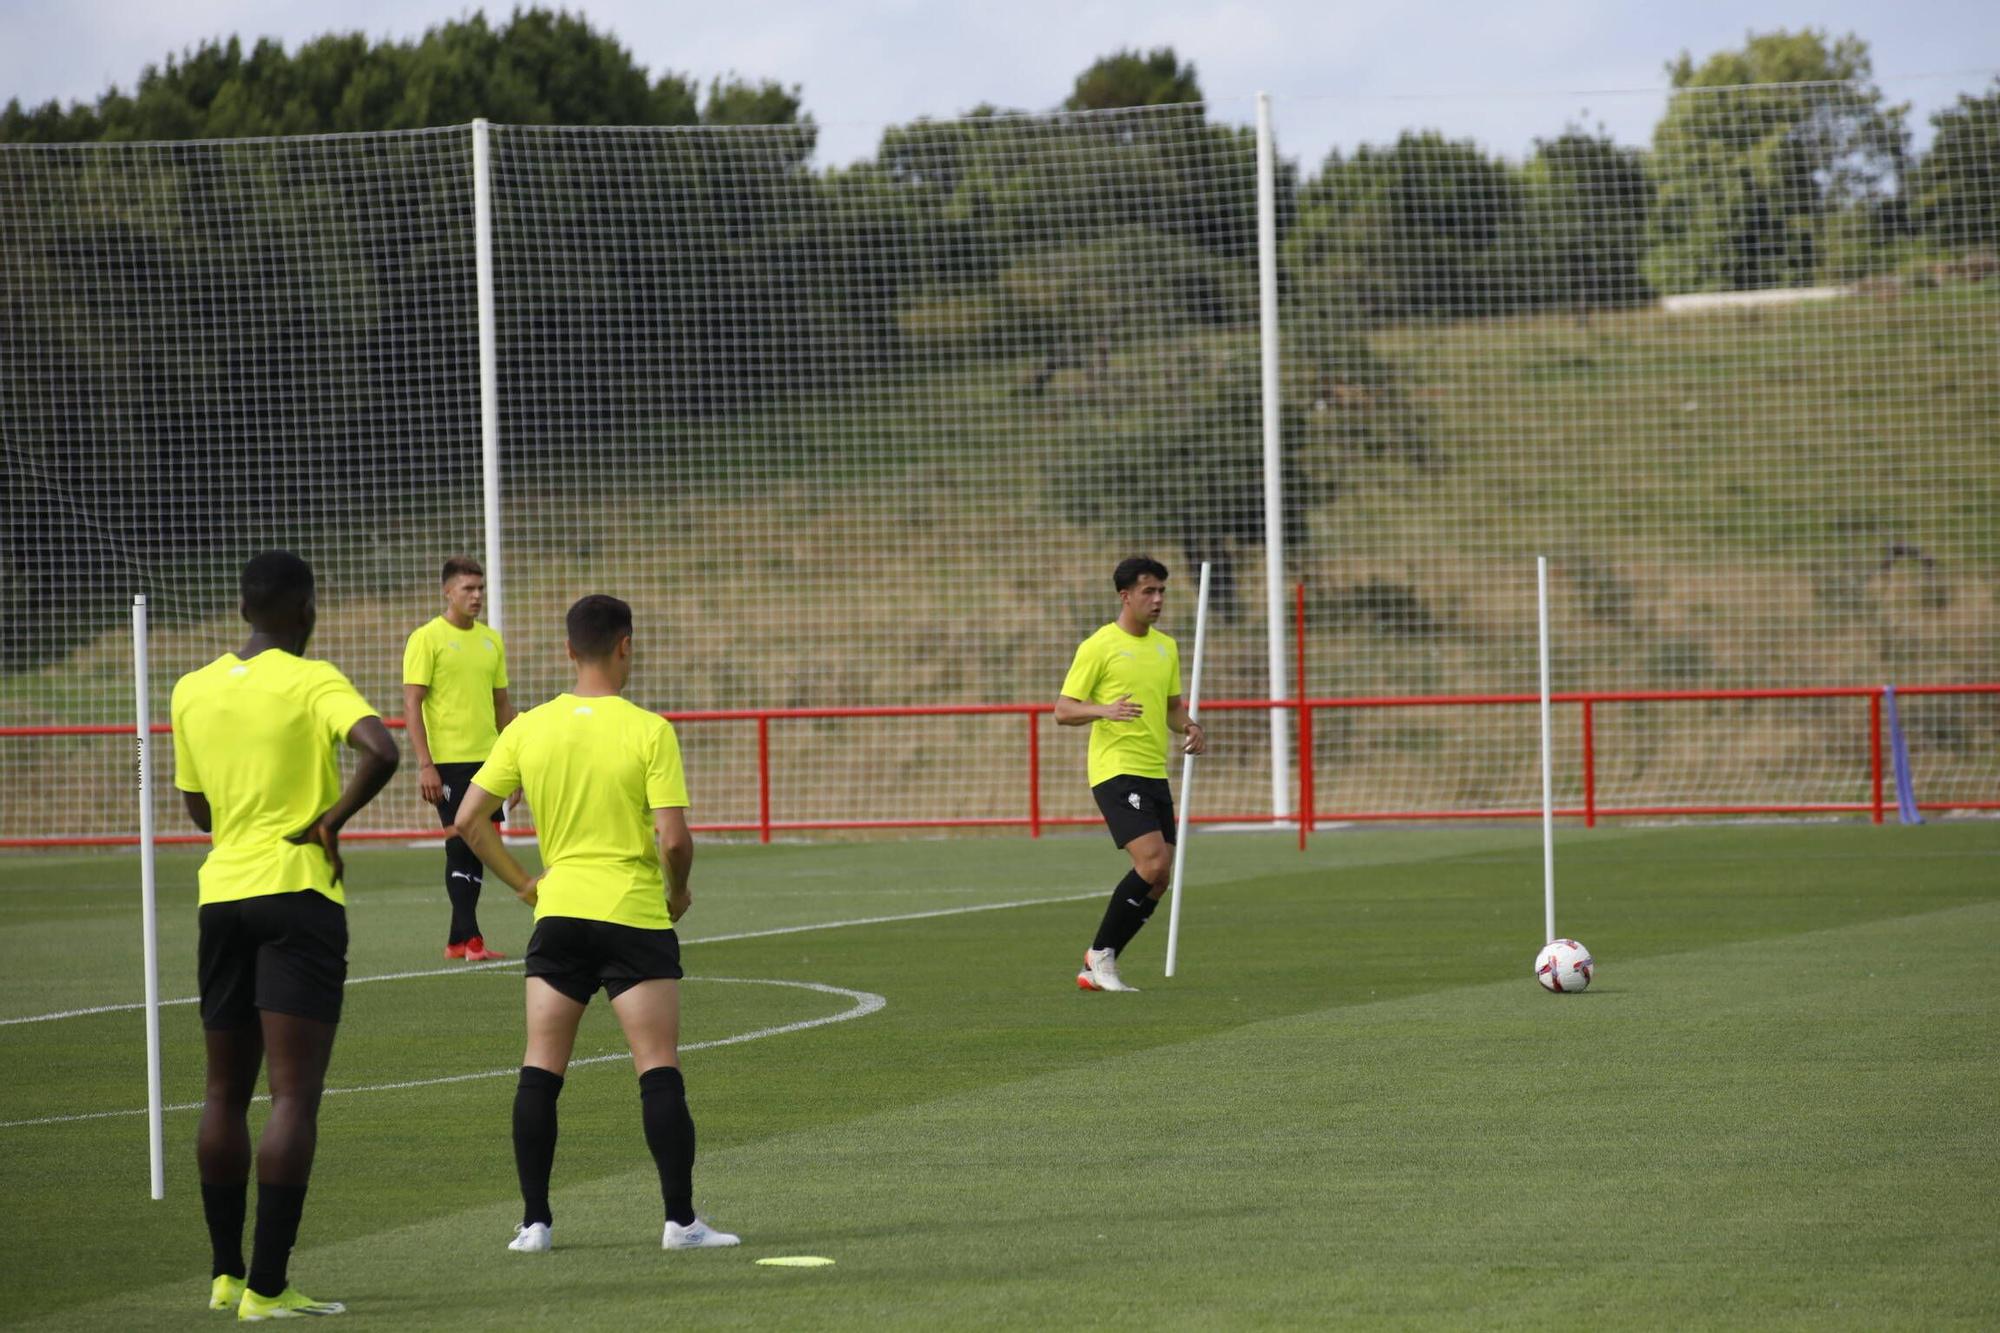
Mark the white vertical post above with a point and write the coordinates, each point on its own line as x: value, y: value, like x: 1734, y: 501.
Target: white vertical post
x: 148, y: 902
x: 1548, y: 760
x: 1274, y: 459
x: 1187, y: 776
x: 489, y: 377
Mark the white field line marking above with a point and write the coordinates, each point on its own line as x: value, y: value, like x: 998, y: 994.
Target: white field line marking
x: 900, y: 916
x: 464, y: 968
x: 865, y: 1003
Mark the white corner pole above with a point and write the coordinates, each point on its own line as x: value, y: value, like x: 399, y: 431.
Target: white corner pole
x: 148, y: 901
x: 1187, y: 776
x: 1548, y: 760
x: 489, y: 377
x: 1274, y: 459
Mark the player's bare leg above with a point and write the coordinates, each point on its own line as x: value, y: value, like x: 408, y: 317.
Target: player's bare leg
x: 552, y: 1022
x: 296, y: 1054
x: 650, y: 1014
x: 222, y: 1151
x: 552, y: 1019
x: 1153, y: 859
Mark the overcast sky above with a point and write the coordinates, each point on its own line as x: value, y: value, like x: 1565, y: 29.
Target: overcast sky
x: 1340, y: 72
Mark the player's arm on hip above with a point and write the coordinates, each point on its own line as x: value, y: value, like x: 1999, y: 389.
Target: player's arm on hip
x: 379, y: 759
x: 475, y: 824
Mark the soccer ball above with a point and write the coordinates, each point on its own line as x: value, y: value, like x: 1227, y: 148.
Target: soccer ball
x: 1563, y: 967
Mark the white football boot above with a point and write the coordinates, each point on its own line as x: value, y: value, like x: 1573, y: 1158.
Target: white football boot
x: 1100, y: 971
x: 697, y: 1235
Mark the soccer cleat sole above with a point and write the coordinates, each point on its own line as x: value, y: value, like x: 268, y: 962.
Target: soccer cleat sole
x: 248, y: 1313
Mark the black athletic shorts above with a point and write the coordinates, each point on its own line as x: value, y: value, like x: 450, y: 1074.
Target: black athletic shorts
x: 577, y: 955
x: 457, y: 779
x: 285, y: 952
x: 1134, y: 807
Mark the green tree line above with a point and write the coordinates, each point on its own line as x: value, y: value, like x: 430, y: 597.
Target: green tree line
x: 1775, y: 164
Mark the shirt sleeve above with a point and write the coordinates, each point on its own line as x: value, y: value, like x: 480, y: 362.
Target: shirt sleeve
x: 1177, y: 692
x: 186, y: 776
x: 1084, y: 670
x: 337, y: 705
x: 500, y: 669
x: 666, y: 784
x: 417, y: 658
x: 501, y: 773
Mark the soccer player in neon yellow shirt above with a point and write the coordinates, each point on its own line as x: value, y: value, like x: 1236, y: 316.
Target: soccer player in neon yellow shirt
x: 1125, y: 685
x: 255, y: 741
x: 455, y: 704
x: 604, y: 779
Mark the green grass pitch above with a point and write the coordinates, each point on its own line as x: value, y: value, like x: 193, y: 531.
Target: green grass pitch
x: 1779, y: 1105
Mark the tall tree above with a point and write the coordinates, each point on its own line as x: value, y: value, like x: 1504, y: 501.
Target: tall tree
x: 1757, y: 149
x: 1955, y: 190
x: 737, y: 101
x: 1412, y: 230
x: 539, y: 68
x: 1585, y: 203
x: 1127, y: 78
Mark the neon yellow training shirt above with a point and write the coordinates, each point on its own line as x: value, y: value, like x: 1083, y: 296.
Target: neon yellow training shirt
x: 461, y: 668
x: 261, y: 738
x: 595, y: 769
x: 1111, y: 663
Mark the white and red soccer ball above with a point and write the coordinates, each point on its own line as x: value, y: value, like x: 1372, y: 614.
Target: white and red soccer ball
x: 1563, y: 966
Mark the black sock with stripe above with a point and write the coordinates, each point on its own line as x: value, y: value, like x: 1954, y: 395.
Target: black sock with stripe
x: 1128, y: 910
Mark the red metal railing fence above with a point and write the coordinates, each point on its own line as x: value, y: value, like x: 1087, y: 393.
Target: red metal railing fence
x: 1032, y: 817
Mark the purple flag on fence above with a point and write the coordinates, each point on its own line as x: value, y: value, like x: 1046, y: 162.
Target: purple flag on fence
x: 1906, y: 792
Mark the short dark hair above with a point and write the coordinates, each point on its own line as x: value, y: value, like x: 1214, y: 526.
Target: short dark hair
x: 275, y: 585
x: 1129, y: 570
x: 462, y: 564
x: 596, y: 624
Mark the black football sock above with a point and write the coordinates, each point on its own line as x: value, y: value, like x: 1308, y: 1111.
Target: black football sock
x: 1138, y: 917
x: 224, y: 1207
x: 1127, y: 911
x: 670, y: 1135
x: 278, y: 1210
x: 462, y: 882
x: 535, y: 1140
